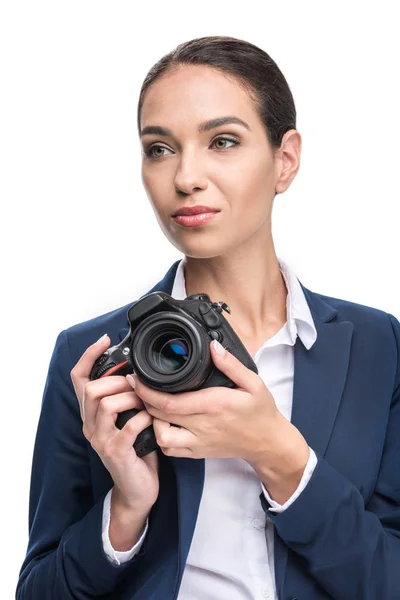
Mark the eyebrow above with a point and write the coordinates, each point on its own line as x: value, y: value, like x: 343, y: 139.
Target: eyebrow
x: 204, y: 126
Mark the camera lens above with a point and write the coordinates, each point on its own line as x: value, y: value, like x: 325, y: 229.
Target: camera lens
x: 170, y: 353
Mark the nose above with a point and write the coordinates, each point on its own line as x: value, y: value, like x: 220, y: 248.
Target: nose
x: 190, y: 174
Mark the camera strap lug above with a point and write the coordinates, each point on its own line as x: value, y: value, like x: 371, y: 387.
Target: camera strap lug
x: 220, y: 306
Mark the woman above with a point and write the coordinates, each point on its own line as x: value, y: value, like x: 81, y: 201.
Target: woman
x: 297, y: 490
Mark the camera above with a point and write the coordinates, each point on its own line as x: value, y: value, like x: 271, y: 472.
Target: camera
x: 168, y: 348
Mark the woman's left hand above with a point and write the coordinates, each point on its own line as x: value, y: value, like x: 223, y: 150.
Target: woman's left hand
x: 217, y: 422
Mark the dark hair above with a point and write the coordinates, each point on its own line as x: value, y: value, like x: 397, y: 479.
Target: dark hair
x: 253, y: 68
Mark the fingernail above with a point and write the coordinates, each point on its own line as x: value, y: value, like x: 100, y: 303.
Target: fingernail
x: 218, y: 348
x: 101, y: 339
x: 131, y: 381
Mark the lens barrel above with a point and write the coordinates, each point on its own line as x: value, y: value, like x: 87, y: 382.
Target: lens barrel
x: 170, y: 351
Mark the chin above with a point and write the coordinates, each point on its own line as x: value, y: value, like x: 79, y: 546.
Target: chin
x: 200, y: 255
x: 203, y: 251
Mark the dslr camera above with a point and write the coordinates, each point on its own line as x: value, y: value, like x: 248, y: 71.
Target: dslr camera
x: 167, y: 347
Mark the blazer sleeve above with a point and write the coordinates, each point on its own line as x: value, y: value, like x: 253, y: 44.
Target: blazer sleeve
x: 351, y: 549
x: 65, y: 558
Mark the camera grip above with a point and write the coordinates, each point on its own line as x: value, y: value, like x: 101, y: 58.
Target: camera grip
x: 146, y: 440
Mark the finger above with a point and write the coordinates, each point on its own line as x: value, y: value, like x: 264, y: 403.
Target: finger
x: 168, y: 436
x: 106, y: 415
x: 233, y: 368
x: 178, y: 452
x: 123, y: 441
x: 181, y: 420
x: 80, y: 374
x: 185, y: 403
x: 94, y: 391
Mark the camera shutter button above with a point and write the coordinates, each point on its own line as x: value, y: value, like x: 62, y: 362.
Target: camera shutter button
x: 215, y: 335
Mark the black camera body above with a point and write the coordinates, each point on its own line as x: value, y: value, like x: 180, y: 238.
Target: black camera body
x: 168, y: 348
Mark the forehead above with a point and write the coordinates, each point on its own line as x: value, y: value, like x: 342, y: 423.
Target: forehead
x: 193, y: 93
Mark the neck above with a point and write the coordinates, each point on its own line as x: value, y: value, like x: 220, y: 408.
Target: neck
x: 250, y: 283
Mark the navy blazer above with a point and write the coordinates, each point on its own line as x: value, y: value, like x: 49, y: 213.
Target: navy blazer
x: 340, y: 538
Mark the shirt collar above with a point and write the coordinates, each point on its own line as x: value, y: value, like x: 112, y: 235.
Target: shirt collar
x: 299, y: 320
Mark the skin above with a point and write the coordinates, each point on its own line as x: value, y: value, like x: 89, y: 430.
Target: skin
x: 231, y: 258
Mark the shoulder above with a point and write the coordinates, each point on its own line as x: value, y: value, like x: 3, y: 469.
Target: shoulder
x: 358, y: 313
x: 373, y: 328
x: 81, y: 335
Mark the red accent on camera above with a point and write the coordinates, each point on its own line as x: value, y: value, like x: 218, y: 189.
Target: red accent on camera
x: 113, y: 369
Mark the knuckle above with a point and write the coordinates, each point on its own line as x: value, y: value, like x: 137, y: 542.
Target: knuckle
x: 89, y: 389
x: 162, y: 439
x: 131, y: 425
x: 107, y: 404
x: 259, y: 386
x: 167, y: 405
x: 156, y: 426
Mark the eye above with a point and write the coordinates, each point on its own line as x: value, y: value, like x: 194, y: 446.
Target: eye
x: 149, y: 152
x: 226, y: 139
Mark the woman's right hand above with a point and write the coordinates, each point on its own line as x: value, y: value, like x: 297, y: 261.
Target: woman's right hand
x: 136, y: 482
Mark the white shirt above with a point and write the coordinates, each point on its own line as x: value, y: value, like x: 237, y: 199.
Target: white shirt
x: 232, y: 550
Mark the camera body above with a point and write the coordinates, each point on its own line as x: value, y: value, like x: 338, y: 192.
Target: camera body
x: 168, y: 348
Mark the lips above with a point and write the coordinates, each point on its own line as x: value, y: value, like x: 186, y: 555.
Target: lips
x: 195, y: 220
x: 194, y: 210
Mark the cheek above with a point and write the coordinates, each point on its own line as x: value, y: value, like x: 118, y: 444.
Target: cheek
x: 250, y: 191
x: 155, y: 183
x: 158, y: 202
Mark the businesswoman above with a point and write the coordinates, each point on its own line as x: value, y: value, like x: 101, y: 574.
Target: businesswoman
x: 285, y: 487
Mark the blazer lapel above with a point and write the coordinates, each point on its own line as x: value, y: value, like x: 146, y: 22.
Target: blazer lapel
x: 319, y: 379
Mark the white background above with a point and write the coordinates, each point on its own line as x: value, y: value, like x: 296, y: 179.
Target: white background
x: 78, y: 235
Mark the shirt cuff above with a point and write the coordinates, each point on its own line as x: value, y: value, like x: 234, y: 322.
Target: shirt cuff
x: 308, y: 471
x: 116, y: 556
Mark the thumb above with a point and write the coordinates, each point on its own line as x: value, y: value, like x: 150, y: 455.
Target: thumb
x: 231, y: 366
